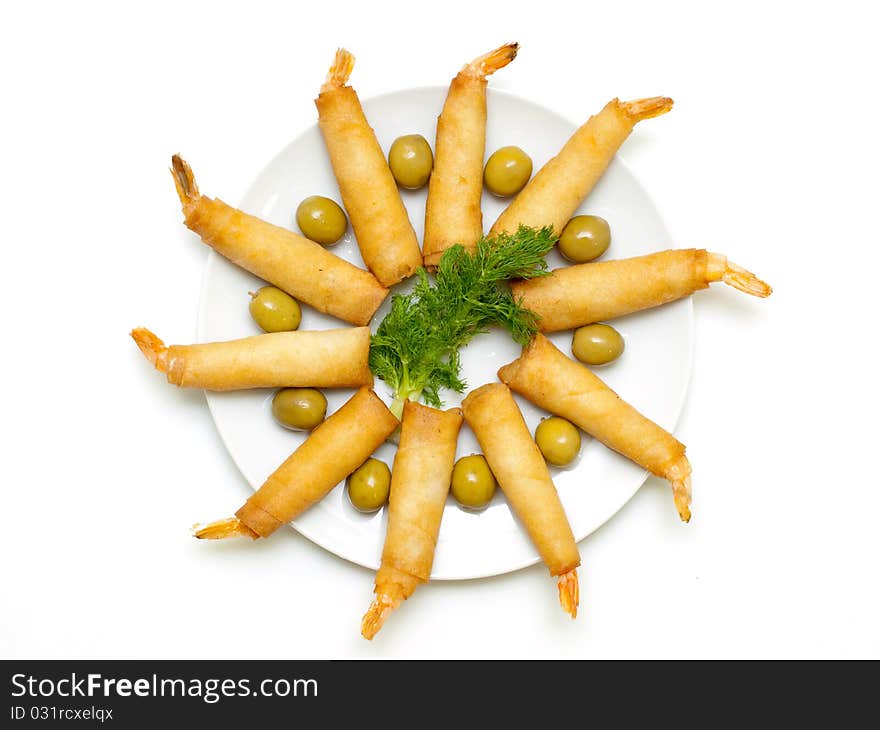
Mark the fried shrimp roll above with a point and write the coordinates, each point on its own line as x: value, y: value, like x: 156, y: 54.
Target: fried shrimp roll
x: 420, y: 480
x: 577, y: 295
x: 555, y: 192
x: 558, y: 384
x: 331, y: 452
x: 452, y: 211
x: 522, y: 474
x: 301, y: 267
x: 322, y: 359
x: 378, y: 217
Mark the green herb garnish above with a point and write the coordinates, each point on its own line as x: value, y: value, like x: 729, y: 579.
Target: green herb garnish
x: 415, y: 349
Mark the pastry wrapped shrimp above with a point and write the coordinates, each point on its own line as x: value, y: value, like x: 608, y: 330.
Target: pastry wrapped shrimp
x: 522, y: 474
x: 301, y: 267
x: 379, y: 219
x: 577, y: 295
x: 452, y: 211
x: 558, y: 384
x: 331, y: 452
x: 559, y: 187
x: 322, y: 359
x: 420, y: 481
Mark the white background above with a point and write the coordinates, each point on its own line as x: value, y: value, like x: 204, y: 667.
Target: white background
x: 770, y: 156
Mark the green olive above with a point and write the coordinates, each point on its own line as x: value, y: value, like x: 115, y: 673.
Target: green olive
x: 321, y: 220
x: 597, y: 344
x: 584, y: 238
x: 507, y: 171
x: 411, y: 160
x: 274, y: 310
x: 558, y: 440
x: 369, y: 485
x: 299, y: 408
x: 473, y: 483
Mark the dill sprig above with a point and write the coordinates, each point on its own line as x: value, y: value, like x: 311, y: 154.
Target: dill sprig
x: 416, y: 348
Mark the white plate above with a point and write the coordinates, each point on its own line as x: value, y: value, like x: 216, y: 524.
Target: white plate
x: 652, y: 374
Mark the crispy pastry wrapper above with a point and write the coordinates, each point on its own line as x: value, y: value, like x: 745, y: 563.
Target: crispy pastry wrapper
x: 301, y: 267
x: 321, y: 359
x: 420, y: 482
x: 452, y: 211
x: 558, y: 384
x: 385, y: 236
x: 522, y: 473
x: 559, y: 187
x: 331, y: 452
x: 585, y: 293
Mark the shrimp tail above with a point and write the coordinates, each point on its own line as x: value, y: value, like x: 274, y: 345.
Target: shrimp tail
x: 490, y: 62
x: 392, y: 588
x: 569, y: 592
x: 340, y: 70
x: 184, y: 180
x: 640, y: 109
x: 746, y: 281
x: 679, y: 476
x: 375, y: 617
x: 681, y: 493
x: 152, y: 347
x: 720, y: 269
x: 222, y: 529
